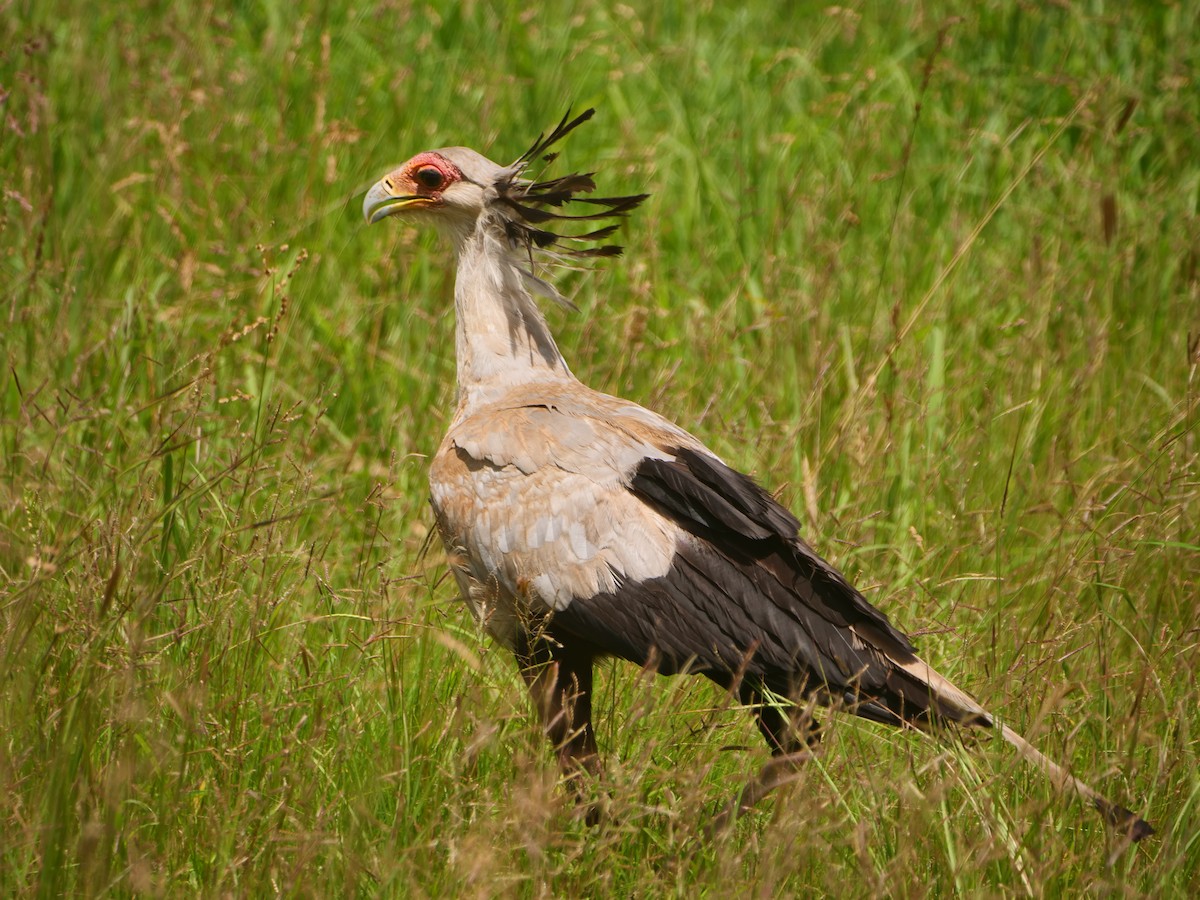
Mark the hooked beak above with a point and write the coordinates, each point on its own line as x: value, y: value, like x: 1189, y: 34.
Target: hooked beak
x: 382, y: 201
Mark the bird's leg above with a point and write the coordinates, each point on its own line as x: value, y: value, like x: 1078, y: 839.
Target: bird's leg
x: 792, y: 744
x: 785, y: 734
x: 560, y: 682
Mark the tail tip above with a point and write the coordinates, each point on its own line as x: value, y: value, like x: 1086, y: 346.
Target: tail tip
x: 1139, y: 828
x: 1129, y: 823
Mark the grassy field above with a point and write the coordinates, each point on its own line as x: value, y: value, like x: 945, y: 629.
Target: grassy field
x: 934, y: 275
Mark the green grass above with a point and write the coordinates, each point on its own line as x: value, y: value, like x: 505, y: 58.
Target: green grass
x: 931, y: 273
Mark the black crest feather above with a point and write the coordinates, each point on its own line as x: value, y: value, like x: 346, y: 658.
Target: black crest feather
x: 537, y: 203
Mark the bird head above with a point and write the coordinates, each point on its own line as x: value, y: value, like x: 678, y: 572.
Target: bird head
x: 447, y: 187
x: 459, y: 190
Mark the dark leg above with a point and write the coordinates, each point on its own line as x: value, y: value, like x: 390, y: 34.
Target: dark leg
x: 560, y: 682
x: 786, y: 730
x: 792, y: 744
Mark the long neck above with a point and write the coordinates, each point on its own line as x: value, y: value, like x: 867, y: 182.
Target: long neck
x: 502, y: 340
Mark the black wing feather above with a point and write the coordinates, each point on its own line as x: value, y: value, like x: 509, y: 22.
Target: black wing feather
x: 775, y: 543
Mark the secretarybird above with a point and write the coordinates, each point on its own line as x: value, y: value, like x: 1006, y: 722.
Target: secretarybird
x: 579, y: 525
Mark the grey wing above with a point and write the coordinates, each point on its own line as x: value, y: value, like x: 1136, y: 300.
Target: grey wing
x: 745, y: 597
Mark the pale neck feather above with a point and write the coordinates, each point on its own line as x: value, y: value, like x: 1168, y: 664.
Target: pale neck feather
x: 502, y: 340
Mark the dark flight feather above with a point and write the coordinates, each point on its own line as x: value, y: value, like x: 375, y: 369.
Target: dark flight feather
x: 677, y: 486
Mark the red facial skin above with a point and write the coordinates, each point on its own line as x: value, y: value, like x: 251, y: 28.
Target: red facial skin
x: 427, y: 175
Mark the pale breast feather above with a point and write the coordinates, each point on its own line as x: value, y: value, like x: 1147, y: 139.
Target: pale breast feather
x: 537, y: 500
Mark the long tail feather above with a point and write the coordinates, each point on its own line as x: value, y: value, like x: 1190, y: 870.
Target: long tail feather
x: 954, y: 704
x: 1117, y: 816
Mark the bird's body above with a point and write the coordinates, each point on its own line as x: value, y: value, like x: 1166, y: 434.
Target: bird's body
x: 581, y: 525
x: 551, y: 501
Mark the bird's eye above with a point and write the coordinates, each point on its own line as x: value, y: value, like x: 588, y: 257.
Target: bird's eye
x: 429, y: 176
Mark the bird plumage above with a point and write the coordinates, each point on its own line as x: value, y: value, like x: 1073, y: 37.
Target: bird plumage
x: 578, y: 524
